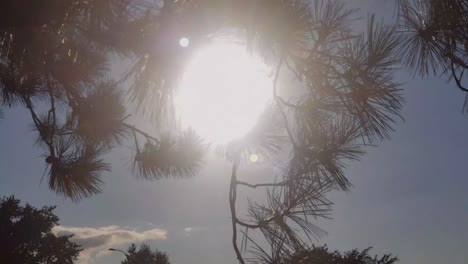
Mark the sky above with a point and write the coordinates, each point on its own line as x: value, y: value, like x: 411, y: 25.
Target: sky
x: 408, y: 196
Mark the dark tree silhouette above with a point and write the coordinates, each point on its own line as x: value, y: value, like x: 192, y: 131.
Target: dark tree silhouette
x: 26, y: 236
x: 55, y: 59
x: 321, y: 255
x: 144, y: 255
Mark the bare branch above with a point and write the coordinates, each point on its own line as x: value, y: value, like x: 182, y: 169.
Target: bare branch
x: 262, y: 184
x: 137, y: 130
x: 232, y: 204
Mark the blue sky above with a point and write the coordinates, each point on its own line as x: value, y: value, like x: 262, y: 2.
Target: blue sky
x: 408, y: 195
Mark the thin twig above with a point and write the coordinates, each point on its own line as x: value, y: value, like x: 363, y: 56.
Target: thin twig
x: 232, y: 203
x: 279, y: 103
x: 458, y: 79
x: 135, y: 129
x: 52, y: 104
x: 38, y: 124
x: 261, y: 184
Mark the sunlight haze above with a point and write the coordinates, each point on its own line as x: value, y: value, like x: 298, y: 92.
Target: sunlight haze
x: 223, y: 92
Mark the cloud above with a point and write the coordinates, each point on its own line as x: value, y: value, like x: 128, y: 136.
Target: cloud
x: 190, y: 229
x: 95, y: 241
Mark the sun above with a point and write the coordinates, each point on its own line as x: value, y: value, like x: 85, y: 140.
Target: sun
x: 223, y: 92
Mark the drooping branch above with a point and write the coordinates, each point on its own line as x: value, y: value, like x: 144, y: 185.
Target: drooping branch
x: 458, y: 78
x: 232, y: 204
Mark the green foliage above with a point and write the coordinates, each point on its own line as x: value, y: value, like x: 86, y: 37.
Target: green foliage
x: 26, y: 235
x: 144, y: 255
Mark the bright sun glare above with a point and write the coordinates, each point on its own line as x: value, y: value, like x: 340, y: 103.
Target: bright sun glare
x: 223, y: 92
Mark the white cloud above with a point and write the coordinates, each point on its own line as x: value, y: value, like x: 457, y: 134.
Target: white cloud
x: 95, y: 241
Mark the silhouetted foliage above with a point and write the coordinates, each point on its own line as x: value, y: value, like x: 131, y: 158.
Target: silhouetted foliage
x: 349, y: 100
x: 61, y: 57
x: 170, y: 157
x: 55, y: 59
x: 144, y: 255
x: 26, y: 235
x: 322, y: 255
x: 435, y: 38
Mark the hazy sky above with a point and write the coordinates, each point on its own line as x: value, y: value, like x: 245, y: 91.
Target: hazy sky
x: 408, y: 197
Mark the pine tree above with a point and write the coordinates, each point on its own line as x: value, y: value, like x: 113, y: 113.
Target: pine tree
x: 55, y: 60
